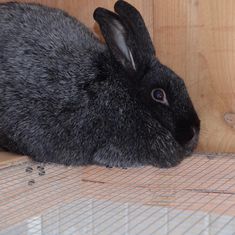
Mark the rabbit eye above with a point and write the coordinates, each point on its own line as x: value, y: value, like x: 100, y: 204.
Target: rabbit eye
x: 159, y: 95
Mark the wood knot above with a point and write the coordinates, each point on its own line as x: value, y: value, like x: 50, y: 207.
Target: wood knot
x: 230, y: 119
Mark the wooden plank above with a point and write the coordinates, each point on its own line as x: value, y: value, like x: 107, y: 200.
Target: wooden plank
x: 9, y: 159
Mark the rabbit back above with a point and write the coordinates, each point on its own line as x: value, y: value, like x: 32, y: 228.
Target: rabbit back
x: 46, y: 60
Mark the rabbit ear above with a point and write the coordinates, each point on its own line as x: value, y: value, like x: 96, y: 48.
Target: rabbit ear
x: 132, y: 17
x: 116, y: 36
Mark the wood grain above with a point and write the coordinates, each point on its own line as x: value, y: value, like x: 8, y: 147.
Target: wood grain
x: 196, y: 38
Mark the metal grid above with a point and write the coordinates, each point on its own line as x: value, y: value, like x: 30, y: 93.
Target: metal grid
x: 197, y: 197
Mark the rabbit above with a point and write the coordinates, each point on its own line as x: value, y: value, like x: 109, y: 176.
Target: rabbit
x: 68, y: 98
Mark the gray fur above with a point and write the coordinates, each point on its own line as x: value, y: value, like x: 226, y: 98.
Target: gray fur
x: 67, y: 98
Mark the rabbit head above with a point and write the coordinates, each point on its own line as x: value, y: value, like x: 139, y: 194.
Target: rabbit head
x: 157, y: 88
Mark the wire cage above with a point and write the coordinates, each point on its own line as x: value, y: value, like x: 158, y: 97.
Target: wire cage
x: 196, y: 197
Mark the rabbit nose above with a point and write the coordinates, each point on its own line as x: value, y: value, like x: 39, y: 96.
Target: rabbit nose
x: 193, y: 130
x: 193, y: 134
x: 187, y: 135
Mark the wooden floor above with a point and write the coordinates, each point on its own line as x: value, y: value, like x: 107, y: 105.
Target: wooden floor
x: 197, y: 197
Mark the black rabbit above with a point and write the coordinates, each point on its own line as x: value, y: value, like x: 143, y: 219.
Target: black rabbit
x: 67, y: 98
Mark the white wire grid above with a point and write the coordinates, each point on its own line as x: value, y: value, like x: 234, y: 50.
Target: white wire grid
x: 197, y: 197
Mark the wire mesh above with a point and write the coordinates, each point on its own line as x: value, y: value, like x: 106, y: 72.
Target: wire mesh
x: 196, y: 197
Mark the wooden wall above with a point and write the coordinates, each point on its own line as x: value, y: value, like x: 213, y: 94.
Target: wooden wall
x: 196, y: 38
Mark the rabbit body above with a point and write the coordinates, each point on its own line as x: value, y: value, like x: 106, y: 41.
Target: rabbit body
x: 64, y: 98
